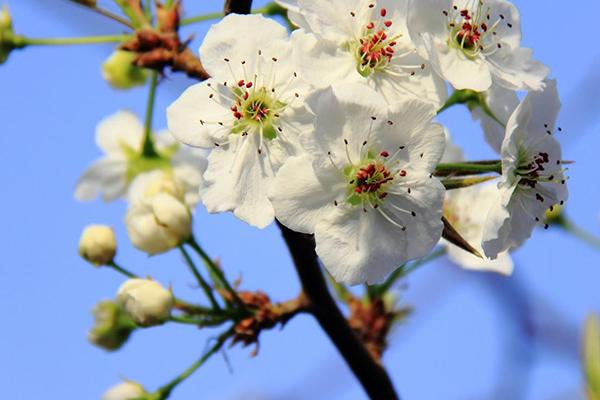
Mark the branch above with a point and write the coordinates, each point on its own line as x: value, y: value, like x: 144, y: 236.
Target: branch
x: 237, y: 6
x: 371, y: 374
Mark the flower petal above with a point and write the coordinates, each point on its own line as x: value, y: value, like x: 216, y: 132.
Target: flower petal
x: 105, y: 177
x: 121, y: 128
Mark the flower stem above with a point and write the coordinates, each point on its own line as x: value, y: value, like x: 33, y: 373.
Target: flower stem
x: 214, y: 269
x: 468, y: 168
x: 122, y: 270
x: 205, y: 286
x: 201, y: 18
x: 165, y: 391
x: 22, y: 41
x: 148, y: 149
x: 579, y: 232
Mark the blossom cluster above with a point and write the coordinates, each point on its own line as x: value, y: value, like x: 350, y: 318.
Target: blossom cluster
x: 332, y: 131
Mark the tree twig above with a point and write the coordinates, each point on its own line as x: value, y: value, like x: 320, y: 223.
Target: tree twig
x: 237, y: 6
x: 372, y: 376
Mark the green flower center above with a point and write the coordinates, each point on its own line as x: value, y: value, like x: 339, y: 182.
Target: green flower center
x: 255, y: 109
x: 368, y: 181
x: 137, y: 163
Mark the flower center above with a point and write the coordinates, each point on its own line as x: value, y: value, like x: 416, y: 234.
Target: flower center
x: 472, y: 31
x: 255, y: 109
x: 368, y: 181
x: 374, y: 50
x: 532, y: 172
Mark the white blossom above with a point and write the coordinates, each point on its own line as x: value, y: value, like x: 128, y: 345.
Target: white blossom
x: 501, y: 104
x: 98, y: 244
x: 157, y: 219
x: 365, y: 186
x: 466, y: 209
x: 474, y: 43
x: 362, y: 41
x: 533, y: 178
x: 146, y: 301
x: 120, y: 137
x: 249, y: 113
x: 126, y: 390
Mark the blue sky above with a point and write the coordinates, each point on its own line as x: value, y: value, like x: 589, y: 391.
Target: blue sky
x: 465, y: 340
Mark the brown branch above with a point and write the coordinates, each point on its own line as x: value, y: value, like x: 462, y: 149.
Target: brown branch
x: 237, y: 6
x: 372, y: 376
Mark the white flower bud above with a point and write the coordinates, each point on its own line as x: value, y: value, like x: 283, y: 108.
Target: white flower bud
x: 127, y: 390
x: 98, y: 244
x: 158, y: 218
x: 146, y: 301
x: 118, y: 70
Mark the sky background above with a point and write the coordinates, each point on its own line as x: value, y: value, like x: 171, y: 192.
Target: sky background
x: 470, y: 334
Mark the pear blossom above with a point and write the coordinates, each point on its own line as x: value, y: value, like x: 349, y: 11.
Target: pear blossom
x: 533, y: 178
x: 146, y: 301
x: 158, y: 218
x: 365, y: 186
x: 474, y: 43
x: 249, y: 114
x: 466, y: 209
x: 127, y: 390
x: 120, y: 136
x: 501, y: 104
x: 362, y: 41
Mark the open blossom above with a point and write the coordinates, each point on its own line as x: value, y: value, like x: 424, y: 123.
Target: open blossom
x: 120, y: 137
x: 365, y: 186
x: 532, y: 179
x: 501, y: 104
x: 157, y: 219
x: 249, y: 113
x: 362, y: 41
x: 466, y: 209
x: 474, y: 43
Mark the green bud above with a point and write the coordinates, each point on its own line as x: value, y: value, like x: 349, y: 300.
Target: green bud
x: 591, y: 356
x: 118, y: 70
x: 7, y: 35
x: 112, y: 326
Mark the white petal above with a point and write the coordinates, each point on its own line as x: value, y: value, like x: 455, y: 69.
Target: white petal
x: 239, y: 182
x: 105, y: 177
x: 194, y: 117
x: 502, y: 265
x: 238, y: 37
x: 498, y: 235
x: 121, y: 128
x: 516, y: 70
x: 294, y: 13
x: 332, y: 21
x: 502, y: 102
x: 425, y: 16
x: 454, y: 66
x: 302, y: 199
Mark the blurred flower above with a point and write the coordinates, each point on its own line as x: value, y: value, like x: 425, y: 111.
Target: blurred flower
x: 98, y: 244
x: 146, y: 301
x: 466, y: 209
x: 356, y: 41
x: 158, y: 218
x: 473, y: 44
x: 250, y: 114
x: 6, y: 34
x: 112, y: 326
x: 120, y: 136
x: 365, y: 186
x: 120, y: 72
x: 591, y: 356
x: 532, y: 179
x: 127, y: 390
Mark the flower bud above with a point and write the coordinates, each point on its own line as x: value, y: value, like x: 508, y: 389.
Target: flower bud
x: 6, y: 35
x: 146, y: 301
x: 158, y: 218
x: 120, y: 72
x: 98, y: 244
x: 127, y: 390
x: 112, y: 326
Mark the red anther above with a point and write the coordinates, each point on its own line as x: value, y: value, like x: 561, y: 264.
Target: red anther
x: 249, y: 85
x: 384, y: 154
x: 402, y: 173
x: 383, y: 12
x: 241, y: 83
x: 234, y: 108
x: 484, y: 26
x: 237, y: 115
x: 383, y: 195
x: 246, y: 96
x: 388, y: 23
x: 370, y: 169
x: 358, y: 190
x: 370, y: 25
x: 393, y: 43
